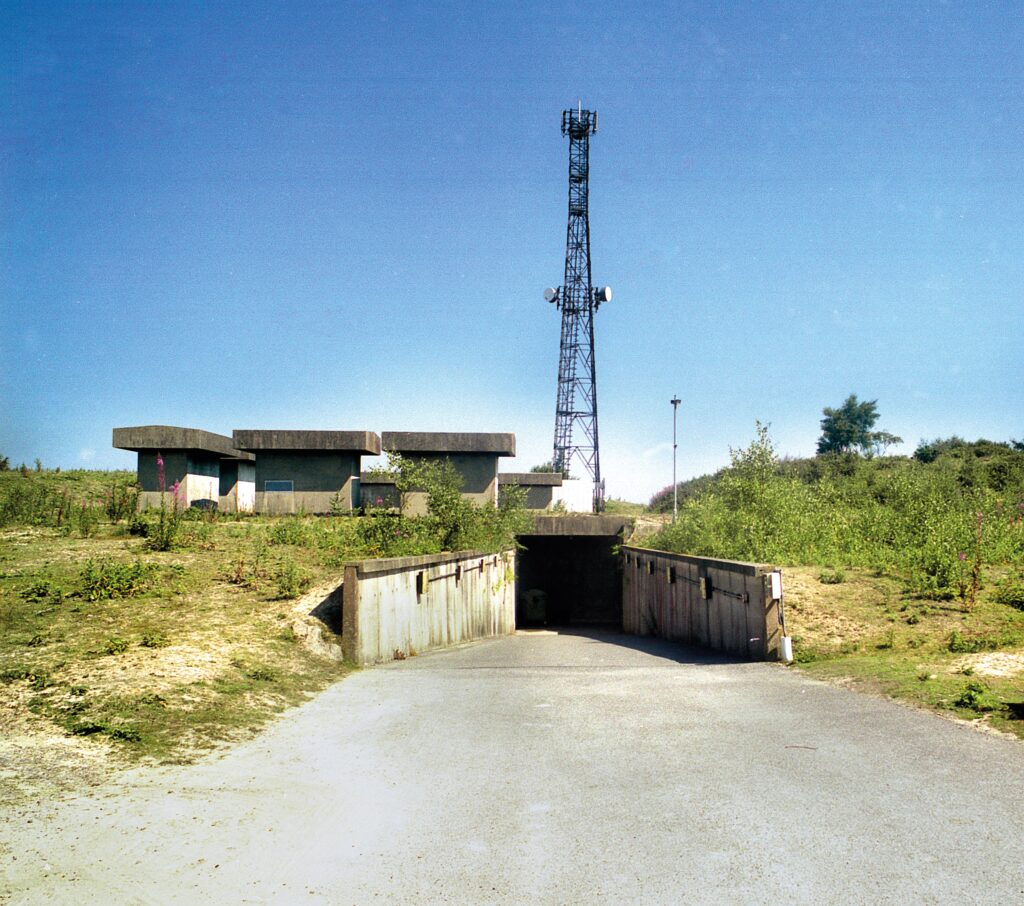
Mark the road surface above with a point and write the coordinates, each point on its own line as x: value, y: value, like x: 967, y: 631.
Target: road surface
x: 553, y: 768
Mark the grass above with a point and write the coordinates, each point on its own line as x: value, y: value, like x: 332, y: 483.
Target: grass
x: 162, y: 651
x: 613, y: 506
x: 871, y: 633
x: 163, y: 654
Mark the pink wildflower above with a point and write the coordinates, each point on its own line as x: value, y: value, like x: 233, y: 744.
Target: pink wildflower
x: 160, y: 477
x: 177, y: 493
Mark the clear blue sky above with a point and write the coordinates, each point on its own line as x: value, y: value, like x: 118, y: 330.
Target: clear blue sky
x: 342, y: 215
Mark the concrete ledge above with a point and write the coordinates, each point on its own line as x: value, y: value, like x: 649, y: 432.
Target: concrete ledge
x: 397, y: 564
x: 448, y: 442
x: 170, y: 437
x: 580, y: 525
x: 531, y: 479
x: 736, y: 566
x: 342, y: 441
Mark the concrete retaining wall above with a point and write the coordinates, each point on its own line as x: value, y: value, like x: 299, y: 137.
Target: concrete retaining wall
x: 718, y: 604
x: 407, y: 605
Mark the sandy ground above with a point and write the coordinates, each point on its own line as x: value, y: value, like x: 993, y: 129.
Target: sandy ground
x: 552, y: 768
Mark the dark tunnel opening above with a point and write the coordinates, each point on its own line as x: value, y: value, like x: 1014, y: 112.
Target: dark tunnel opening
x: 568, y: 580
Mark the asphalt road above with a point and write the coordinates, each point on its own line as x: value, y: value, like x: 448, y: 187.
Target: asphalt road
x: 553, y: 769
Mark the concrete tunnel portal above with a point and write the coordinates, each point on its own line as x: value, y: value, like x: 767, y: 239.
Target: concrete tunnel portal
x: 568, y: 572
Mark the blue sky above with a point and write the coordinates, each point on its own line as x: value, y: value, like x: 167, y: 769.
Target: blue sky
x: 342, y: 215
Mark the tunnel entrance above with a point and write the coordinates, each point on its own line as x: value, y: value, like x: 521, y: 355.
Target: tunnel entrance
x: 568, y: 573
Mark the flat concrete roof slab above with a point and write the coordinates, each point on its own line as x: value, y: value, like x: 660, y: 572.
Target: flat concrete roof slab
x: 579, y: 524
x: 171, y: 437
x: 340, y: 441
x: 449, y: 442
x: 531, y: 479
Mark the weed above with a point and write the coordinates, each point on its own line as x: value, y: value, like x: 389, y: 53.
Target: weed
x: 289, y: 531
x: 154, y: 640
x: 959, y: 644
x: 42, y: 589
x: 116, y: 645
x: 162, y: 533
x: 290, y: 581
x: 103, y: 579
x: 37, y: 679
x: 1010, y: 590
x: 889, y: 642
x: 975, y: 696
x: 261, y: 674
x: 114, y: 731
x: 834, y: 577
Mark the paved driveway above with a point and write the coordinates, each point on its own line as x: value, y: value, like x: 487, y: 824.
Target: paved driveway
x: 554, y: 769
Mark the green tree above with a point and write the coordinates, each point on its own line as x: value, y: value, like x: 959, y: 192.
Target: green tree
x: 848, y: 429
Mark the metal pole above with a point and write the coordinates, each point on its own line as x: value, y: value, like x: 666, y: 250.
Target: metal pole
x: 675, y: 488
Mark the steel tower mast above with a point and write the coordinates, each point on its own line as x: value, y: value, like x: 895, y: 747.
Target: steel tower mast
x: 576, y: 404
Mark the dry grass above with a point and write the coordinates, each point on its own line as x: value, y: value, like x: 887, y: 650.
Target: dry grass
x: 188, y: 664
x: 870, y: 633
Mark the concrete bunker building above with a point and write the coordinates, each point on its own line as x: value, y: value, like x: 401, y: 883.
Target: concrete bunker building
x: 205, y: 466
x: 474, y: 456
x: 307, y: 471
x: 539, y: 486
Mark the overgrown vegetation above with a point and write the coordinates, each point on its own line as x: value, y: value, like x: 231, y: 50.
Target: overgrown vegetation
x: 938, y: 524
x: 165, y: 632
x: 904, y: 566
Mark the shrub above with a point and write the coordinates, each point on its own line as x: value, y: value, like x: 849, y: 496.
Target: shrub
x: 116, y: 645
x: 122, y: 499
x: 289, y: 530
x: 960, y: 644
x: 42, y: 589
x: 104, y: 579
x: 290, y: 581
x: 162, y: 532
x: 975, y: 696
x: 1010, y: 590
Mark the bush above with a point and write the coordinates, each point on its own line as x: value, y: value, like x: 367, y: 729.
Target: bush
x: 932, y: 522
x: 162, y: 532
x: 289, y: 530
x: 1010, y: 590
x: 103, y: 579
x: 290, y: 581
x: 975, y: 696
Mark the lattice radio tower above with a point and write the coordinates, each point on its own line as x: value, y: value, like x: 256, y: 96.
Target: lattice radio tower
x: 576, y: 405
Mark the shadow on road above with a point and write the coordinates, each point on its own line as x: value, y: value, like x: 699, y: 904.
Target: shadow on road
x: 670, y: 651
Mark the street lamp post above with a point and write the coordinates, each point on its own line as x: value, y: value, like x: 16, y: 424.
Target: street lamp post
x: 675, y: 488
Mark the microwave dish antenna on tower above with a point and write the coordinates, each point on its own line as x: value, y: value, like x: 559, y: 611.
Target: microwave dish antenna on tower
x: 576, y: 435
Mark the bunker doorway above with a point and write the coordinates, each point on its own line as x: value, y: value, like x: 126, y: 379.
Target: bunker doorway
x: 568, y: 580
